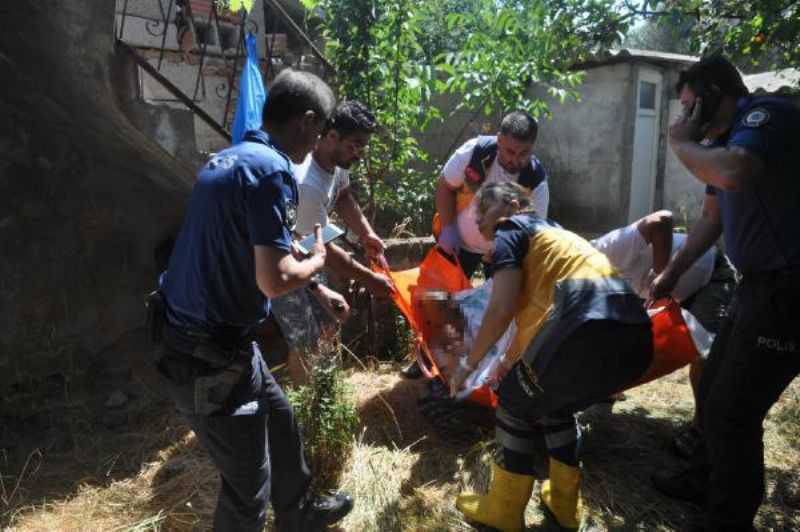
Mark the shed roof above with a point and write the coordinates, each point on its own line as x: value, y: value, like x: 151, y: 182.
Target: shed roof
x: 782, y: 81
x: 624, y: 55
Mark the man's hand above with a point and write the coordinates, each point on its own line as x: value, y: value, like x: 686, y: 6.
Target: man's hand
x: 663, y: 285
x: 379, y: 285
x: 450, y: 239
x: 457, y: 379
x: 373, y: 245
x: 333, y: 302
x: 689, y: 126
x: 318, y: 249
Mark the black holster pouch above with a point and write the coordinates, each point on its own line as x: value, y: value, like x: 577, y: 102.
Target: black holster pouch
x: 156, y: 316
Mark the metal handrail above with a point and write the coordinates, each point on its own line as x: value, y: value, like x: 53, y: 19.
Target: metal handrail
x: 175, y: 12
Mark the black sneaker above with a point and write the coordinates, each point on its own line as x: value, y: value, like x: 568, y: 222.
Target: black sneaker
x: 315, y: 513
x: 690, y: 485
x: 412, y: 371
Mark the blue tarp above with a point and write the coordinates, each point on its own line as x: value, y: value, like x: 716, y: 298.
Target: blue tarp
x: 252, y: 93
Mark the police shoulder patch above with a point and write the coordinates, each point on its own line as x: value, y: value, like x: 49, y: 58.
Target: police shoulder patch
x: 756, y: 117
x: 291, y: 214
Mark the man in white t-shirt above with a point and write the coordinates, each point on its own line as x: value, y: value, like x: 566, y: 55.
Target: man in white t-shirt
x: 641, y: 251
x: 507, y: 156
x: 323, y: 180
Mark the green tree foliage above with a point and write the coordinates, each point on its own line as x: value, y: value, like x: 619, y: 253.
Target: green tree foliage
x: 671, y: 32
x: 236, y: 5
x: 511, y: 44
x: 395, y: 55
x: 757, y: 34
x: 376, y: 49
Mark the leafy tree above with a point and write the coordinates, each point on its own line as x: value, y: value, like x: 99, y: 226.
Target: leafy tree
x: 669, y: 33
x: 514, y: 43
x: 756, y: 34
x: 396, y: 54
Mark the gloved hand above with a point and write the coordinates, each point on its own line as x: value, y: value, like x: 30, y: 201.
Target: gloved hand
x: 450, y: 239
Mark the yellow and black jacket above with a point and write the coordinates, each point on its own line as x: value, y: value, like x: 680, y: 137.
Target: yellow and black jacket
x: 566, y: 282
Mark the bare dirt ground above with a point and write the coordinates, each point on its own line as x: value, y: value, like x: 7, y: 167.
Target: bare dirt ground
x: 150, y: 475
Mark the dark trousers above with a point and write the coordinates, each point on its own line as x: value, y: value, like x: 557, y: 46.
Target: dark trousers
x: 259, y: 454
x: 754, y: 358
x: 601, y: 357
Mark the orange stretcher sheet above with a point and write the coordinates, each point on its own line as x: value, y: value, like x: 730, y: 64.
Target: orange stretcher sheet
x: 673, y: 347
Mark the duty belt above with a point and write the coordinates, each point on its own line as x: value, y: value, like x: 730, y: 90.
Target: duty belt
x: 202, y: 346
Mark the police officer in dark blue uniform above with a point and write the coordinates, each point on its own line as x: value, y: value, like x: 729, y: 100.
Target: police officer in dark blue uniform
x: 233, y: 253
x: 746, y: 149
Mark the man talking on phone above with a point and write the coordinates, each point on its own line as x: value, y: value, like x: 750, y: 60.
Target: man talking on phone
x: 746, y: 150
x: 323, y: 180
x: 232, y: 255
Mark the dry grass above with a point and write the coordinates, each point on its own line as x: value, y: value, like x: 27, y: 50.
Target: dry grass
x: 402, y: 477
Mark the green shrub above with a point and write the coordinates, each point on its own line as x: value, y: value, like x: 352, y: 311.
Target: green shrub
x: 327, y: 415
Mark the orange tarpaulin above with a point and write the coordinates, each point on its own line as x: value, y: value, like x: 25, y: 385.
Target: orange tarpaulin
x: 673, y: 346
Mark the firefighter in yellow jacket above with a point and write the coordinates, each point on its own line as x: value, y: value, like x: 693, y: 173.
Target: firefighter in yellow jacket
x: 583, y: 334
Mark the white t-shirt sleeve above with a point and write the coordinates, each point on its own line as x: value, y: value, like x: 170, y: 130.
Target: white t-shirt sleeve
x: 455, y: 167
x: 630, y: 255
x: 540, y: 199
x: 311, y: 209
x: 342, y: 182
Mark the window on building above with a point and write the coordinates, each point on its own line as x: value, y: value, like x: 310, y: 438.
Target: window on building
x: 647, y: 95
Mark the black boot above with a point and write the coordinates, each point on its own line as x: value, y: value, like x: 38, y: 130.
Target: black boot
x: 314, y: 513
x: 690, y: 485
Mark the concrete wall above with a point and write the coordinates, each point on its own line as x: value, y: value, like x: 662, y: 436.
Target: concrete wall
x: 443, y: 137
x: 586, y: 147
x: 86, y: 197
x: 144, y: 28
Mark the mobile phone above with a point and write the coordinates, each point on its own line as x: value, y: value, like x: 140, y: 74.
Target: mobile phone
x: 329, y: 233
x: 711, y: 97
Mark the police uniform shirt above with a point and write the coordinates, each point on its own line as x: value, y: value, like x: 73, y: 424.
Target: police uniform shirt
x: 760, y: 223
x: 245, y: 196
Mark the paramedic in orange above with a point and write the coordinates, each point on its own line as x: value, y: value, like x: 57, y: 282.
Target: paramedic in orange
x: 583, y: 334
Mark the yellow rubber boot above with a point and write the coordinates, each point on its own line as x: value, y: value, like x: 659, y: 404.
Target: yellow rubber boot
x: 561, y: 494
x: 503, y: 507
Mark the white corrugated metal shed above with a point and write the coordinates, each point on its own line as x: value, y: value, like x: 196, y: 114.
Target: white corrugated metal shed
x: 782, y: 81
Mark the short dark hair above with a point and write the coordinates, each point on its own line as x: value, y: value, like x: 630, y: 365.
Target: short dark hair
x: 293, y: 92
x: 713, y: 70
x: 520, y: 125
x: 352, y: 117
